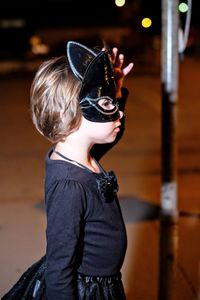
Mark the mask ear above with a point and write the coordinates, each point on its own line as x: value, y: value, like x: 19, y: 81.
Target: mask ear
x: 79, y: 57
x: 98, y: 80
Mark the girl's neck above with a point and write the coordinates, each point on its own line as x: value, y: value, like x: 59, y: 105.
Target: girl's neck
x: 73, y: 150
x: 78, y: 153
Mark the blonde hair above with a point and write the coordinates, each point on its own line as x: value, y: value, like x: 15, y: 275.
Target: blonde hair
x: 54, y: 98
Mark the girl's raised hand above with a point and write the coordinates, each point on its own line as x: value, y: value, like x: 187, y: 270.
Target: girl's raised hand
x: 119, y: 72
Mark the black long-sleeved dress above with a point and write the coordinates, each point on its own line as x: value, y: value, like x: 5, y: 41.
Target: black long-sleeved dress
x: 85, y: 228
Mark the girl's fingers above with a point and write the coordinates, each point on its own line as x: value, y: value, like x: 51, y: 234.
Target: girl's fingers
x: 115, y: 50
x: 114, y: 55
x: 120, y: 61
x: 117, y: 61
x: 126, y: 70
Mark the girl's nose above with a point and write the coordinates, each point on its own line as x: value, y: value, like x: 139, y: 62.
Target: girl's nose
x: 121, y: 114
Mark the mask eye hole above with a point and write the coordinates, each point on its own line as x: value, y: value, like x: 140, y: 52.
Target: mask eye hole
x: 106, y: 104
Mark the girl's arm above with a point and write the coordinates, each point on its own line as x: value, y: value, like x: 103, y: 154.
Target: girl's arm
x: 65, y: 206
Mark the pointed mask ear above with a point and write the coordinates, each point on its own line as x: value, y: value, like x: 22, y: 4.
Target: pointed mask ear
x: 79, y: 57
x: 98, y: 80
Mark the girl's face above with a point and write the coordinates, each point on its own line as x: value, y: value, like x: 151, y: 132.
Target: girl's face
x: 101, y: 132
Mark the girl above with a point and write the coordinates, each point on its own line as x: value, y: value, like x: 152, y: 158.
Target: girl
x: 75, y: 103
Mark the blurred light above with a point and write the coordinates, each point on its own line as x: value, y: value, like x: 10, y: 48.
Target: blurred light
x: 37, y: 46
x: 120, y: 3
x: 41, y: 49
x: 183, y: 7
x: 14, y: 23
x: 146, y: 22
x: 35, y: 40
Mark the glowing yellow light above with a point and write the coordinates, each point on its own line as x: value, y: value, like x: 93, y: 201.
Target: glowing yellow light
x: 120, y: 3
x: 183, y: 7
x: 35, y: 40
x: 146, y: 22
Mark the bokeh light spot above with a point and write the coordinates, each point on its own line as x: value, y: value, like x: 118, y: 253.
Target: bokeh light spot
x: 183, y: 7
x: 120, y: 3
x: 146, y: 22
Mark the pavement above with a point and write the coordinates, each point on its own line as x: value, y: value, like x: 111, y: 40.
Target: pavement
x: 136, y: 161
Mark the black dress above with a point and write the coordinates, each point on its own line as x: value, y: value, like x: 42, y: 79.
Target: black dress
x: 85, y: 229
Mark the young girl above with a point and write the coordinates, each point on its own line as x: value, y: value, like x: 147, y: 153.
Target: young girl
x: 75, y: 104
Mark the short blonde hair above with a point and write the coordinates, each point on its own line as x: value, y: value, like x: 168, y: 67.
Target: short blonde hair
x: 54, y: 98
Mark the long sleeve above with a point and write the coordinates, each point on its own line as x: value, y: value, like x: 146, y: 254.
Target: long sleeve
x: 65, y: 210
x: 99, y: 150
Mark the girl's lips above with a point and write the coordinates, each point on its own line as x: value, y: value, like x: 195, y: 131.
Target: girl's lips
x: 117, y: 129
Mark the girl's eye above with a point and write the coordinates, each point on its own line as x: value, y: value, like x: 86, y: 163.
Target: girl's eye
x: 106, y: 104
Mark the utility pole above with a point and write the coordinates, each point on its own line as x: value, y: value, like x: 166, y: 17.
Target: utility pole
x: 169, y: 210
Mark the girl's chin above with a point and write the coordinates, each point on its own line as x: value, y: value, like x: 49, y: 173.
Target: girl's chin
x: 112, y: 139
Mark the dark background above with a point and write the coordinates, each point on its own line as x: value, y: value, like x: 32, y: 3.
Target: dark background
x: 46, y: 14
x: 76, y: 12
x: 89, y: 12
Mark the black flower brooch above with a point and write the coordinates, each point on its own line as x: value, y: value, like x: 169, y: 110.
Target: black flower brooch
x: 107, y: 185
